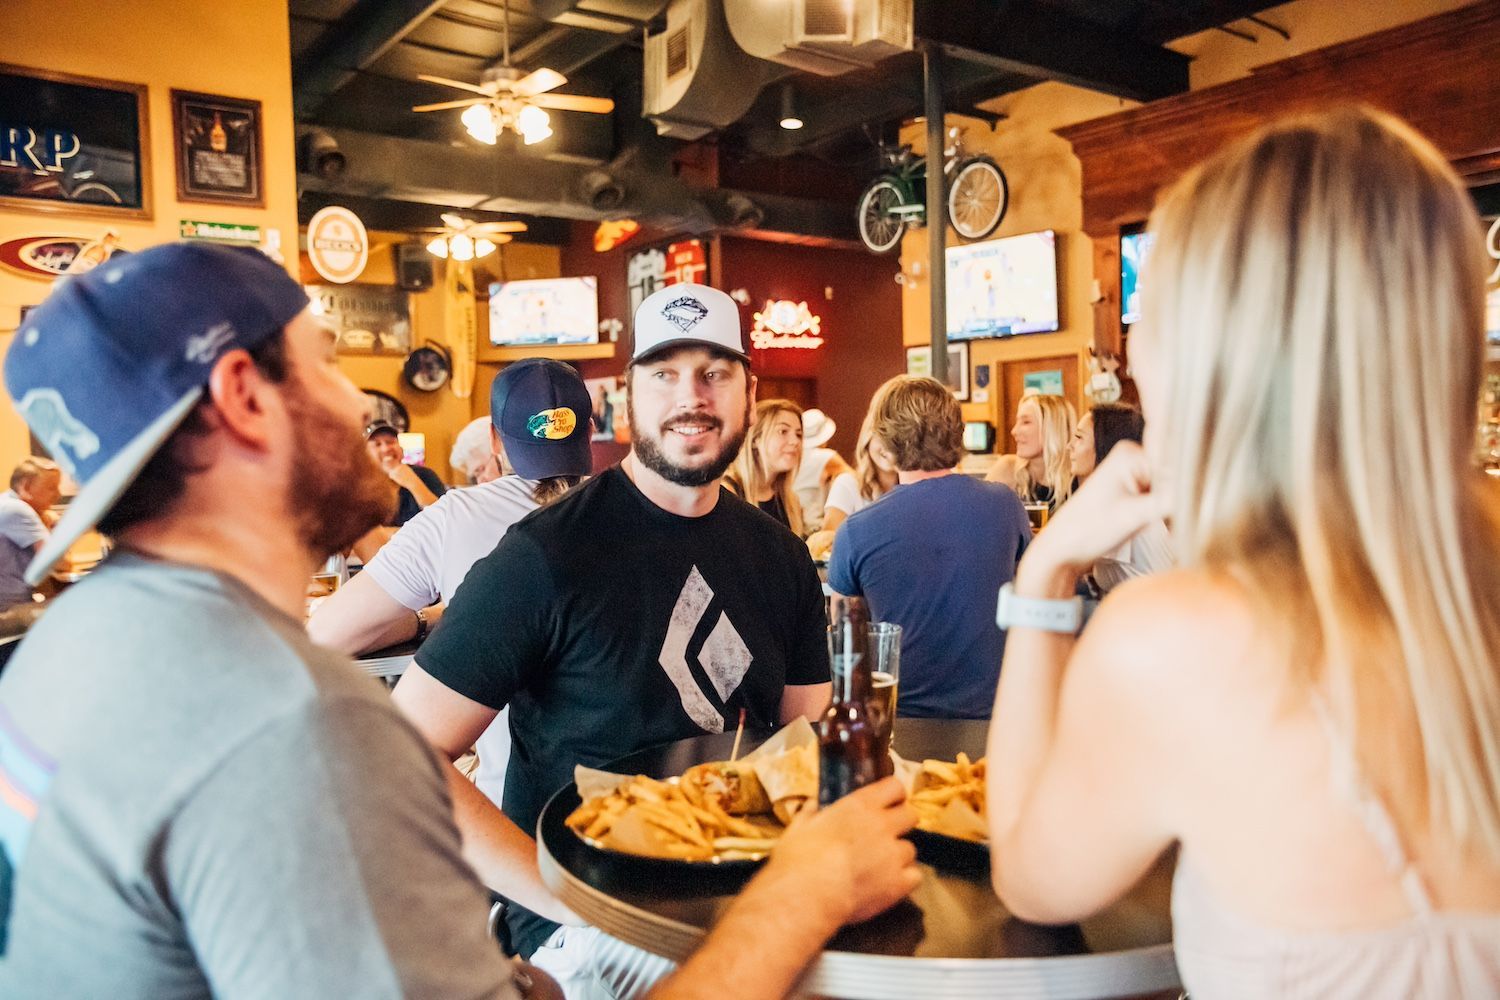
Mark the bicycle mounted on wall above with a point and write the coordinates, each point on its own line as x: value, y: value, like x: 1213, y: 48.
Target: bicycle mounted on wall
x: 978, y: 195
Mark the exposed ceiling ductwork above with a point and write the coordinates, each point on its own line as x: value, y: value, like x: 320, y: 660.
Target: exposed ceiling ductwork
x: 410, y: 170
x: 697, y: 79
x: 827, y: 37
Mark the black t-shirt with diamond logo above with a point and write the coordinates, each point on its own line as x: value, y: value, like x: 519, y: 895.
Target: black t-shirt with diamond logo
x: 609, y: 625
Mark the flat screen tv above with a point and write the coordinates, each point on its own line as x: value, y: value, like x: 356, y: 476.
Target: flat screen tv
x: 979, y: 436
x: 1134, y: 246
x: 544, y: 311
x: 1001, y: 288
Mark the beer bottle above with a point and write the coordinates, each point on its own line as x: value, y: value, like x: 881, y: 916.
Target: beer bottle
x: 851, y: 753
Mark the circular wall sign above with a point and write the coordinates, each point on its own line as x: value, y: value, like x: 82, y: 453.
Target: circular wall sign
x: 337, y: 244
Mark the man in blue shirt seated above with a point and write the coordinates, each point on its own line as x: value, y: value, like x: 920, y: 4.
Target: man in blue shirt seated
x: 932, y: 555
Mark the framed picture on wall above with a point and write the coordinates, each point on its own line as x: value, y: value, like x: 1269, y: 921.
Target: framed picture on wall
x: 218, y: 148
x: 73, y: 144
x: 919, y: 362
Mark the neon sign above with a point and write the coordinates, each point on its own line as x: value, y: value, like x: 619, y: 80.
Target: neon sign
x: 783, y: 323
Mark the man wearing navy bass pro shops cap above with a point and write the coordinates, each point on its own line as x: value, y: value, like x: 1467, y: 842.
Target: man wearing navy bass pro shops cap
x: 645, y: 606
x: 539, y: 433
x: 199, y: 801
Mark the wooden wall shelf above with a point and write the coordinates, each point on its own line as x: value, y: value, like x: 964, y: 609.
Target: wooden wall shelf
x: 557, y: 352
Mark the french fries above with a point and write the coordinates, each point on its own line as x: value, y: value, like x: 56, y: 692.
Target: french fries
x: 949, y: 798
x: 673, y: 819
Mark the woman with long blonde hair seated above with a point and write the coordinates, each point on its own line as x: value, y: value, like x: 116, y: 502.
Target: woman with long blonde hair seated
x: 873, y: 477
x: 1310, y: 705
x: 765, y: 470
x: 1040, y: 471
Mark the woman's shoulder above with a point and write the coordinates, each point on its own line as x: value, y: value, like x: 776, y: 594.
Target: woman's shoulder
x: 1006, y: 469
x: 1174, y: 629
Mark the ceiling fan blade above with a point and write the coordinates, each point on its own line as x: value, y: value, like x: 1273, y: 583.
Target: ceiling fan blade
x: 573, y: 102
x: 538, y: 82
x: 470, y: 87
x: 445, y: 105
x: 454, y: 221
x: 491, y: 228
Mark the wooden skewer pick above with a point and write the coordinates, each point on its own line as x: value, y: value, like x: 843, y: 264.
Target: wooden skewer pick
x: 738, y: 733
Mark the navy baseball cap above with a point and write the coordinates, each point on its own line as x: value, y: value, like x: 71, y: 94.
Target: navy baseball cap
x: 543, y: 410
x: 109, y: 365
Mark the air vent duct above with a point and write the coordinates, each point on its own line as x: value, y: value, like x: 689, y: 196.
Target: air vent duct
x: 697, y: 79
x: 822, y: 36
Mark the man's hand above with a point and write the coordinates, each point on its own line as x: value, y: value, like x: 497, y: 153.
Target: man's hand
x: 849, y: 857
x: 404, y: 476
x: 843, y: 864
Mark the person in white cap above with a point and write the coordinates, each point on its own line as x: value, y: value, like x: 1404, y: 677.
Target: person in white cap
x: 820, y: 466
x: 645, y: 606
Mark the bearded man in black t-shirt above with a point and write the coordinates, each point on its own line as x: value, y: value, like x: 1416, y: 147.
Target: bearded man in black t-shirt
x: 646, y: 606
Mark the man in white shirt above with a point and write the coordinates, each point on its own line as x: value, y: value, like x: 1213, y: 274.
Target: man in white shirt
x: 401, y: 593
x: 34, y: 488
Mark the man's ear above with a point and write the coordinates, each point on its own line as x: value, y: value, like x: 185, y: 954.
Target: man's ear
x: 753, y: 383
x: 240, y: 395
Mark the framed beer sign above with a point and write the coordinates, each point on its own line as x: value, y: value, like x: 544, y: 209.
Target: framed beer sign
x: 73, y: 144
x: 218, y: 149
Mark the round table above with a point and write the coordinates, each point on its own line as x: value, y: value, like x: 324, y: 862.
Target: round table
x: 952, y: 939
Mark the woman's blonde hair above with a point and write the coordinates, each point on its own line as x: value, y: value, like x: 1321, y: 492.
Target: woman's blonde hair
x: 747, y: 476
x: 866, y: 472
x: 1056, y: 420
x: 1314, y: 320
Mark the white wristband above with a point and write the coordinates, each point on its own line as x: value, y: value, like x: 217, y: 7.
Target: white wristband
x: 1049, y: 615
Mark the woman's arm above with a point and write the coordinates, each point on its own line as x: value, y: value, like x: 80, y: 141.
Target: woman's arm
x: 1076, y: 769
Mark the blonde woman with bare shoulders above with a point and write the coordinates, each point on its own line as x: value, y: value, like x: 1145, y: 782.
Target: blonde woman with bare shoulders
x: 1310, y: 705
x: 1040, y: 471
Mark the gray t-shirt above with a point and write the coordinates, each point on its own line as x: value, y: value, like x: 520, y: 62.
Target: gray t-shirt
x: 197, y: 801
x: 20, y: 529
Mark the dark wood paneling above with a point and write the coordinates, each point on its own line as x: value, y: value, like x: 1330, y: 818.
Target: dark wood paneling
x: 1439, y: 74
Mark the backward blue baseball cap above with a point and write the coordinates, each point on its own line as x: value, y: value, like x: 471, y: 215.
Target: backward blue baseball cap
x: 543, y: 412
x: 109, y: 365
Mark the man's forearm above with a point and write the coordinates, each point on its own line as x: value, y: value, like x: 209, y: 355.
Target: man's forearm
x: 759, y: 949
x: 500, y: 852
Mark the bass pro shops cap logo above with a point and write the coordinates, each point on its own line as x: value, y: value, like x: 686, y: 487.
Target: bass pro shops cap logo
x: 685, y: 313
x: 552, y: 425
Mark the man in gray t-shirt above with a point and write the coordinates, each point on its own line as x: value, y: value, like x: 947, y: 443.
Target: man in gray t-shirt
x: 195, y: 801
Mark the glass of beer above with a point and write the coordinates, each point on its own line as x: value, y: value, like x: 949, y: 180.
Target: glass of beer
x: 885, y: 675
x: 1038, y: 513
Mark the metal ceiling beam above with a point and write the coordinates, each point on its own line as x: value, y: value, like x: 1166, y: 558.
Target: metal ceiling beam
x: 352, y: 43
x: 1046, y: 43
x: 392, y: 169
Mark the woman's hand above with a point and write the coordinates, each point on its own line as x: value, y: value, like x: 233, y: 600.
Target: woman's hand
x: 1112, y: 505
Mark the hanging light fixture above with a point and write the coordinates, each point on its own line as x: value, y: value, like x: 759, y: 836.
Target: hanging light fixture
x: 480, y: 122
x: 438, y: 247
x: 790, y: 120
x: 533, y: 124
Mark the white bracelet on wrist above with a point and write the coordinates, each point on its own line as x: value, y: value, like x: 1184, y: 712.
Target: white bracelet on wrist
x: 1063, y: 616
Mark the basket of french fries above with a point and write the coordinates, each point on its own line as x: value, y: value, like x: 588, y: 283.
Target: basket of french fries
x: 952, y: 819
x: 717, y: 813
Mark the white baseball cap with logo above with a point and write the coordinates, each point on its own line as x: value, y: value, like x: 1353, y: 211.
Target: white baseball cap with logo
x: 688, y: 315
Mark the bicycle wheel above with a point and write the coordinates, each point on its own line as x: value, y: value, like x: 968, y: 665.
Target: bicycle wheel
x: 878, y: 227
x: 977, y: 198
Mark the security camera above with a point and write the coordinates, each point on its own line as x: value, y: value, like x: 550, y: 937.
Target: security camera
x: 320, y: 155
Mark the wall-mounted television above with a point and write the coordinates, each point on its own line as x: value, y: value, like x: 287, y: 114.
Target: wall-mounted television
x: 979, y: 437
x: 544, y: 311
x: 1001, y: 288
x: 1134, y: 246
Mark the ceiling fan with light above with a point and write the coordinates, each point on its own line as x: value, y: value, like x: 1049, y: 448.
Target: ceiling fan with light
x: 509, y: 99
x: 464, y: 239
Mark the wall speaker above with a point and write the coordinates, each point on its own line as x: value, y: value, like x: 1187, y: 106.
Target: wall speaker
x: 413, y: 267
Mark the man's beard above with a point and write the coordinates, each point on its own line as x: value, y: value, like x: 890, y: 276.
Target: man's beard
x: 337, y: 494
x: 649, y: 453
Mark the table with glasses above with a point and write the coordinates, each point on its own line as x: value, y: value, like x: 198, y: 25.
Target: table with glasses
x: 953, y: 939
